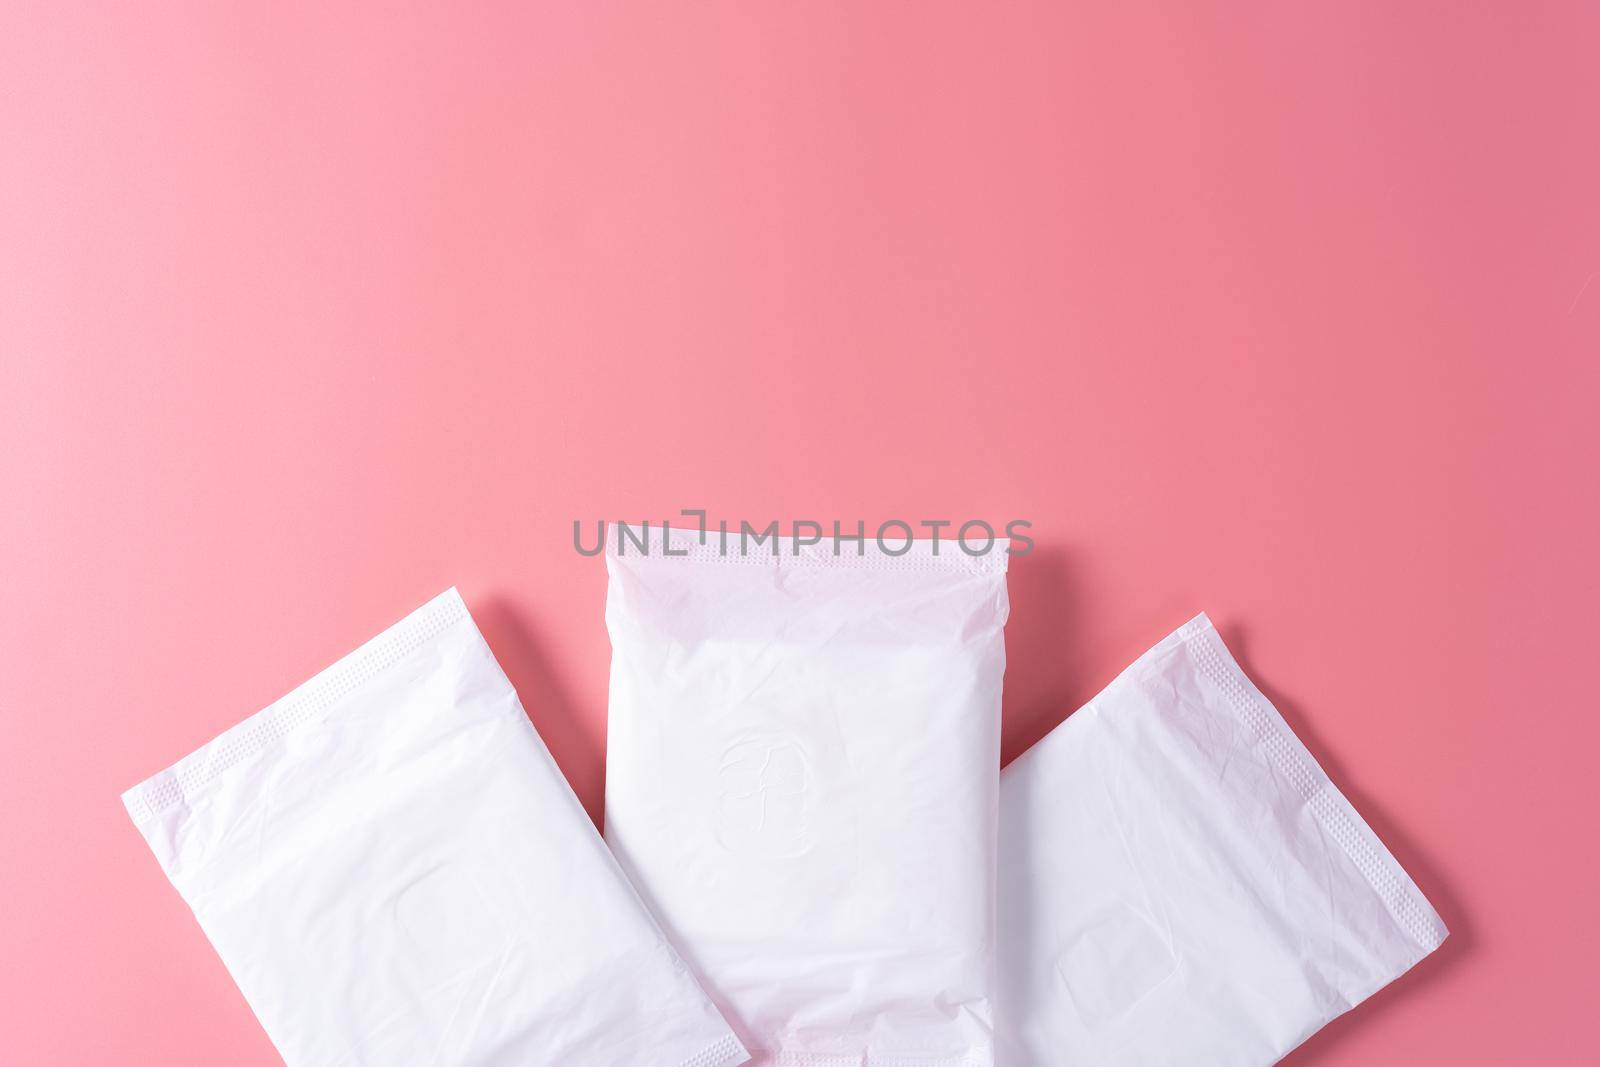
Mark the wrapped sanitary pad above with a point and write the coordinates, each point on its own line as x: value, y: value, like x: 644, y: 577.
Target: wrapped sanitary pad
x: 1180, y: 884
x: 395, y: 872
x: 802, y: 770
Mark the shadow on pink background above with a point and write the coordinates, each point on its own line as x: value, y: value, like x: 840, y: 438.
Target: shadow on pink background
x: 1287, y: 313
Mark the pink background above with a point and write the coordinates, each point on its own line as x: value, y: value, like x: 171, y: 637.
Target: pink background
x: 1287, y: 312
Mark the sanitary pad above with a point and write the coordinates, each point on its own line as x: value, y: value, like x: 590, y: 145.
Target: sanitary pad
x: 1180, y: 884
x: 802, y: 776
x: 395, y: 872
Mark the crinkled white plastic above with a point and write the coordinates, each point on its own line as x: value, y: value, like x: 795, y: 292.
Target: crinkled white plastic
x: 1181, y: 884
x: 802, y: 769
x: 395, y: 872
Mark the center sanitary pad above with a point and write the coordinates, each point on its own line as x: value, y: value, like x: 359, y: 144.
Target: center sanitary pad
x: 802, y: 771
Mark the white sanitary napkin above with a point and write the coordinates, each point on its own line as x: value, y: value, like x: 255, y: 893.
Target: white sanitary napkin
x: 1180, y: 884
x: 802, y: 777
x: 395, y: 872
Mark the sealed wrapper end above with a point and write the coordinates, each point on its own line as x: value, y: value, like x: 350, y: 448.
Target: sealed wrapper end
x: 802, y: 781
x: 1180, y: 883
x: 394, y: 871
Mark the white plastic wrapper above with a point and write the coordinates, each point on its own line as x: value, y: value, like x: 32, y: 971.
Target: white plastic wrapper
x: 395, y: 872
x: 802, y: 770
x: 1181, y: 884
